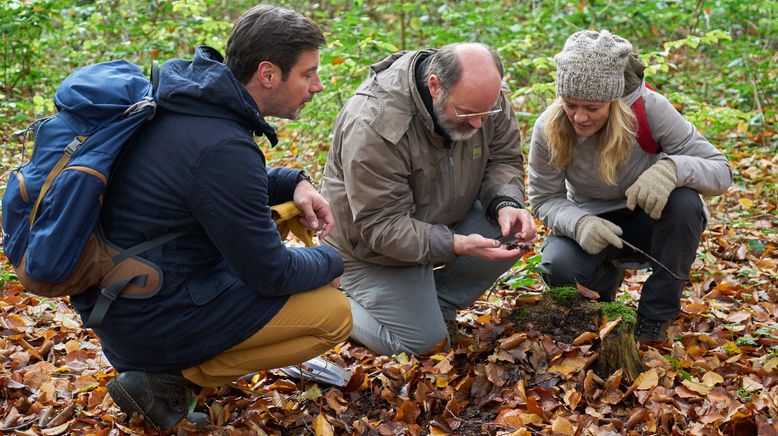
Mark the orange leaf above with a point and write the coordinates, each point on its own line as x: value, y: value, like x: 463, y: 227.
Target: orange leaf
x: 584, y: 338
x: 586, y: 292
x: 604, y: 330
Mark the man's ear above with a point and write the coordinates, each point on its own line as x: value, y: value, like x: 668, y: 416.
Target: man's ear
x: 267, y: 73
x: 433, y: 83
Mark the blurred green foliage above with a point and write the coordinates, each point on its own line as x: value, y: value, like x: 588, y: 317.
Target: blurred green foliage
x: 714, y: 59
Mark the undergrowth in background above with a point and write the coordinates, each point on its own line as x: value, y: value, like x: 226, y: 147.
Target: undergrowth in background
x: 715, y: 60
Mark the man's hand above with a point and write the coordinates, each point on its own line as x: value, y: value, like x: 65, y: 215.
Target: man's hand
x: 317, y: 214
x: 519, y: 222
x: 485, y: 248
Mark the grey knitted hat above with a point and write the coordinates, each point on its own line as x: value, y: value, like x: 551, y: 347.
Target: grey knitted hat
x: 591, y: 66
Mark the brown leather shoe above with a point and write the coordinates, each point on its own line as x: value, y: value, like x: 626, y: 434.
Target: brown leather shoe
x: 162, y: 399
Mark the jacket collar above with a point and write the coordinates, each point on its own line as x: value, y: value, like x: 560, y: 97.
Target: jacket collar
x: 206, y: 87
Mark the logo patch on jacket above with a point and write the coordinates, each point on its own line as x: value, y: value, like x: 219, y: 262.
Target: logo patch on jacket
x: 476, y: 152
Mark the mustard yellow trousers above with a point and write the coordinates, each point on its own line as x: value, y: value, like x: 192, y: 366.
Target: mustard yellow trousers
x: 309, y: 324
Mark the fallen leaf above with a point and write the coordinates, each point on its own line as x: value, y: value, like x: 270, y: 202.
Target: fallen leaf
x: 569, y: 365
x: 647, y: 380
x: 739, y: 317
x: 586, y: 292
x: 696, y: 387
x: 510, y: 418
x: 711, y: 379
x: 55, y: 431
x: 584, y: 338
x: 751, y: 385
x: 513, y: 341
x: 562, y: 426
x: 321, y: 427
x: 531, y: 418
x: 604, y: 330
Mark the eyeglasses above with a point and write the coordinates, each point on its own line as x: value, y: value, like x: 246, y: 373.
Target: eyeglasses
x: 478, y: 114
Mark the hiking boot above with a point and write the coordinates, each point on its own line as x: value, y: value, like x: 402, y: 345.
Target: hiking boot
x: 162, y: 399
x: 649, y: 330
x: 610, y: 294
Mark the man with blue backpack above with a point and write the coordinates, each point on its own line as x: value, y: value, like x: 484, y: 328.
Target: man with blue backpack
x: 192, y: 191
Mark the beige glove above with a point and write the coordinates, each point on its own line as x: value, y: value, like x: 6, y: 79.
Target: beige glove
x: 651, y: 190
x: 593, y: 234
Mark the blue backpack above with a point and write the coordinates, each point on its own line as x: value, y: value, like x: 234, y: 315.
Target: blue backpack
x: 51, y: 205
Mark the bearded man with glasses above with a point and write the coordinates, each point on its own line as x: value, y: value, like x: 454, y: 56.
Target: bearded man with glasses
x: 426, y: 181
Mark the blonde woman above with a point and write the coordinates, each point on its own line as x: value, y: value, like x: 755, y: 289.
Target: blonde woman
x: 592, y: 184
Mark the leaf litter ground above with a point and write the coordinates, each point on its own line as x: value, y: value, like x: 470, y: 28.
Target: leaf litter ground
x: 718, y: 376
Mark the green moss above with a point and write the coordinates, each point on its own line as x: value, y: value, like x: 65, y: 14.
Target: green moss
x: 563, y: 295
x: 520, y: 313
x: 615, y: 309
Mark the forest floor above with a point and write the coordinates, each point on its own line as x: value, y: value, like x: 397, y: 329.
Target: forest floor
x: 718, y: 375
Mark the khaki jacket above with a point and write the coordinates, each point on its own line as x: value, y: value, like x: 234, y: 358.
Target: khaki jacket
x: 561, y: 198
x: 393, y: 185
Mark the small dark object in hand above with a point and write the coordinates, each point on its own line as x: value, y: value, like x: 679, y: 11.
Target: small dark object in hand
x: 518, y: 244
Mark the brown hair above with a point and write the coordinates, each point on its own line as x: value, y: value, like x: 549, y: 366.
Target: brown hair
x: 273, y: 34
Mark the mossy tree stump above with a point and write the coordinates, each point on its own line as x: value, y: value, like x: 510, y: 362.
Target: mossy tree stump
x: 564, y: 314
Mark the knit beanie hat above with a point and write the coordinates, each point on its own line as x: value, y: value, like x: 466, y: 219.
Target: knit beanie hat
x: 591, y: 66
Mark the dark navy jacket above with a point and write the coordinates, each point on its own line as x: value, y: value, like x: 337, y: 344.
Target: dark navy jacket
x: 196, y: 166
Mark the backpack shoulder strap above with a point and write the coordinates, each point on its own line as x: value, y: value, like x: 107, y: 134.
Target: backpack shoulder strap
x: 644, y: 136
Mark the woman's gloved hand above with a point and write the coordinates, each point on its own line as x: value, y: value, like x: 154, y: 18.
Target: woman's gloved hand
x: 652, y: 189
x: 593, y: 234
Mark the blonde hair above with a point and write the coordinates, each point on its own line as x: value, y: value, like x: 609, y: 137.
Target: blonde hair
x: 616, y: 140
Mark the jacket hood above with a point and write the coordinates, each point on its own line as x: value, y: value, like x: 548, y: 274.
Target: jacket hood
x: 206, y: 87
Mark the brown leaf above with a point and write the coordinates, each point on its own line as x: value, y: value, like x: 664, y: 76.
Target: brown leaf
x: 408, y: 412
x: 584, y: 338
x: 739, y: 317
x: 55, y: 431
x: 638, y: 416
x: 335, y: 400
x: 534, y: 408
x: 513, y: 341
x: 696, y: 387
x: 510, y: 418
x: 356, y: 381
x: 711, y: 379
x: 494, y: 373
x: 38, y: 373
x: 605, y: 329
x: 63, y: 416
x: 647, y: 380
x: 586, y: 292
x: 569, y: 365
x: 572, y: 398
x: 321, y: 427
x: 561, y: 426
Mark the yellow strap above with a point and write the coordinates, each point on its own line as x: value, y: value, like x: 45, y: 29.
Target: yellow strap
x: 286, y: 217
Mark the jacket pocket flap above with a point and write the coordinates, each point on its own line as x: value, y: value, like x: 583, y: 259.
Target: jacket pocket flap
x: 207, y: 286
